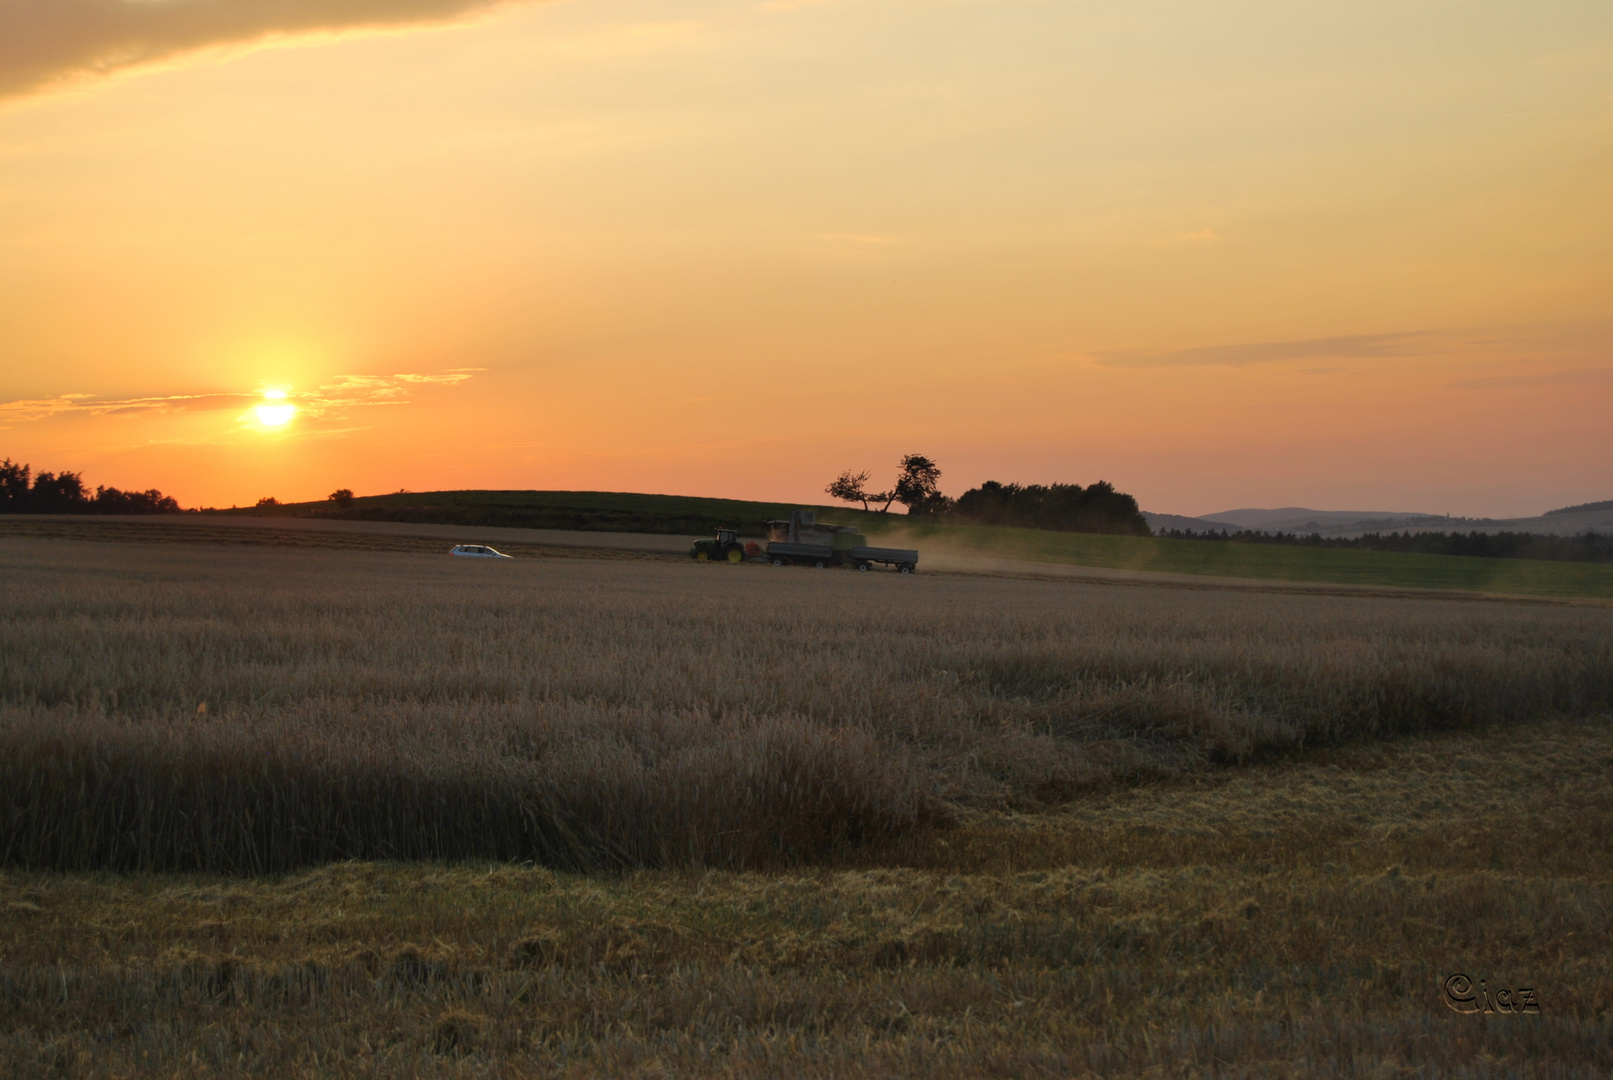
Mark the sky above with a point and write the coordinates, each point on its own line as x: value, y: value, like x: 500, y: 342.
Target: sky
x: 1345, y: 256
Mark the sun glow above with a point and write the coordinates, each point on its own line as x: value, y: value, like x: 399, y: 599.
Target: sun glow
x: 276, y: 411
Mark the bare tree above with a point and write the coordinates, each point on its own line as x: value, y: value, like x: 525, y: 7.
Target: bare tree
x: 848, y: 487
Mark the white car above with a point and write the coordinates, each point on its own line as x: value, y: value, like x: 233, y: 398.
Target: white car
x: 478, y: 551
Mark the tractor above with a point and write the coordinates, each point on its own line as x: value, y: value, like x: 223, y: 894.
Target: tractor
x: 727, y: 547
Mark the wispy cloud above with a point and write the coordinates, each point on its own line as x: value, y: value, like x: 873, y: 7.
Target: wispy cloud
x: 1270, y: 352
x: 44, y: 408
x: 1602, y: 376
x: 43, y: 42
x: 332, y: 399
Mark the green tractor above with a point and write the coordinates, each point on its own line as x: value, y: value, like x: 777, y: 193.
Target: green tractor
x: 726, y: 547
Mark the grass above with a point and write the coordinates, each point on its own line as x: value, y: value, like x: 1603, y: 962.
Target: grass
x: 1522, y: 577
x: 791, y: 823
x: 629, y: 512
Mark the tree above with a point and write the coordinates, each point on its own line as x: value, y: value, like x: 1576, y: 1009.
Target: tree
x: 268, y: 500
x: 23, y: 492
x: 916, y: 480
x: 109, y: 500
x: 1069, y: 507
x: 918, y: 486
x: 58, y: 494
x: 848, y: 487
x: 342, y: 497
x: 14, y: 482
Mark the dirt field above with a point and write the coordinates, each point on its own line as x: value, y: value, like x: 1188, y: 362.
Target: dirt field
x: 804, y: 823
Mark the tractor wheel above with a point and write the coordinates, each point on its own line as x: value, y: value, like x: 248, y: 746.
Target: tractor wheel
x: 701, y: 556
x: 736, y: 555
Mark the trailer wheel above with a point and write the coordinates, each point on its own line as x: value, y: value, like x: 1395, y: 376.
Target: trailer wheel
x: 778, y: 560
x: 905, y: 568
x: 819, y: 563
x: 865, y: 567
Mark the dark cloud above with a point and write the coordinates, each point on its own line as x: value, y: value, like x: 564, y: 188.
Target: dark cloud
x: 1270, y: 352
x: 45, y: 41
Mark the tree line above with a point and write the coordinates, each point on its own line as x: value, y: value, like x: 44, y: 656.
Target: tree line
x: 23, y: 492
x: 1098, y: 508
x: 1587, y: 547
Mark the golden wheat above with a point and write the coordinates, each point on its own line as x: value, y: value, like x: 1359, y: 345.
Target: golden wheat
x: 253, y: 710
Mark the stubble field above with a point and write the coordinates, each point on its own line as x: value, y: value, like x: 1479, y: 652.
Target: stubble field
x: 620, y: 817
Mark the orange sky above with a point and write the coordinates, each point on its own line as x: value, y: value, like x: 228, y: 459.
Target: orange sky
x: 1234, y: 254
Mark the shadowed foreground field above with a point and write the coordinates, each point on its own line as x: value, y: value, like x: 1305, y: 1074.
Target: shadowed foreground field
x: 1288, y: 920
x: 792, y: 823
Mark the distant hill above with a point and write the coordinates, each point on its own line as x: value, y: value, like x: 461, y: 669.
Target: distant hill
x: 588, y: 511
x: 1605, y: 504
x: 1161, y: 522
x: 1568, y: 521
x: 1304, y: 519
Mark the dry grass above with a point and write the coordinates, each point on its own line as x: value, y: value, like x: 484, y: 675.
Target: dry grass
x: 1284, y: 920
x: 637, y: 714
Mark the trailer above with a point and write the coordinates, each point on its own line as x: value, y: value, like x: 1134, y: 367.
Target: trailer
x: 802, y: 540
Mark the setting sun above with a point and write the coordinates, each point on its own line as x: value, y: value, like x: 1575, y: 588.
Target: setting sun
x: 276, y: 411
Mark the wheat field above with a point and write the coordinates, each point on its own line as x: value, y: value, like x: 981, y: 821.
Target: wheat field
x: 331, y: 813
x: 258, y: 710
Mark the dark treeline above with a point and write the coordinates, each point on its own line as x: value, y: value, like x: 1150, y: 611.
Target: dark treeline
x: 1587, y: 547
x: 21, y: 492
x: 1067, y: 507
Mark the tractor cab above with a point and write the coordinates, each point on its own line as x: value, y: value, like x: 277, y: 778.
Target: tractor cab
x: 726, y: 547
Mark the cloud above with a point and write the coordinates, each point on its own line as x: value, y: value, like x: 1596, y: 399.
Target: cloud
x: 1582, y: 377
x: 43, y: 42
x: 348, y: 391
x: 44, y: 408
x: 1270, y: 352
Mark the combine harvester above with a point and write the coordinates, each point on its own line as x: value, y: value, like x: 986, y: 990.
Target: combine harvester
x: 801, y: 540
